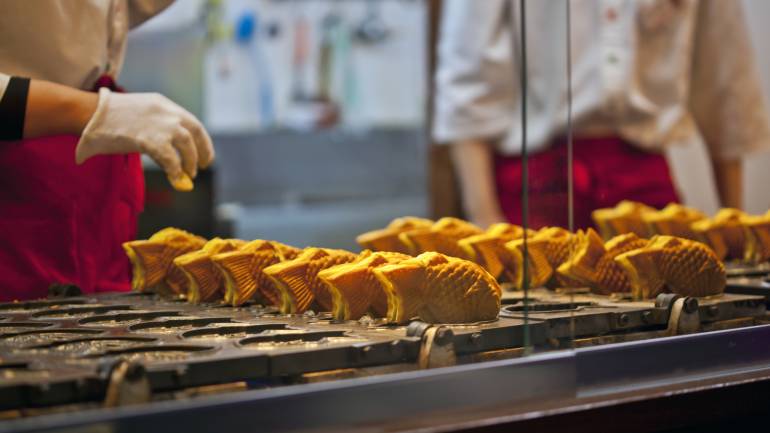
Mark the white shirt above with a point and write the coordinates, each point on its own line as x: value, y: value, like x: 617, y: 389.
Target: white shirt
x: 655, y: 72
x: 70, y: 42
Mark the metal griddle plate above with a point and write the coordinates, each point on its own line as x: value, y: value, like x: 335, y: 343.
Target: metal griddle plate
x: 595, y: 315
x: 59, y: 351
x: 737, y: 269
x: 56, y: 352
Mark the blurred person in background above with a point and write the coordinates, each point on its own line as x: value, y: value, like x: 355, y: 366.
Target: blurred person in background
x: 71, y: 182
x: 646, y: 75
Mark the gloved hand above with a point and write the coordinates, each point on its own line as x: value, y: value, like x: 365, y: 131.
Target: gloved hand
x: 148, y: 123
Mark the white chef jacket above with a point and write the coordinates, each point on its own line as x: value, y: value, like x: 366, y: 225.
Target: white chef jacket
x: 655, y: 72
x: 70, y: 42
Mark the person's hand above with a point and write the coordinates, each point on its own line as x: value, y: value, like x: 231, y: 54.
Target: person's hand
x: 152, y: 124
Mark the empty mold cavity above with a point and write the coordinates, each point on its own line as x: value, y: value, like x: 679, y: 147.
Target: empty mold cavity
x: 238, y: 331
x: 30, y: 338
x: 79, y: 312
x: 297, y: 340
x: 155, y: 353
x: 122, y: 319
x: 549, y: 307
x: 94, y: 344
x: 178, y: 325
x: 21, y: 307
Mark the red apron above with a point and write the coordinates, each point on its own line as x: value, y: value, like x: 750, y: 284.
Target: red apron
x: 606, y: 171
x: 64, y: 223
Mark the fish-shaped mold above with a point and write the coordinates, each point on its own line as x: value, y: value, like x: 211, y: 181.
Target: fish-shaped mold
x: 243, y: 274
x: 297, y: 280
x: 592, y: 263
x: 204, y: 281
x: 674, y: 220
x: 625, y: 217
x: 724, y: 233
x: 439, y: 289
x: 671, y: 264
x: 757, y: 232
x: 388, y: 239
x: 152, y: 259
x: 488, y: 249
x: 441, y: 237
x: 355, y: 289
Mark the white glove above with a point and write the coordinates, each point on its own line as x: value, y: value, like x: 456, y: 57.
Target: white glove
x: 148, y: 123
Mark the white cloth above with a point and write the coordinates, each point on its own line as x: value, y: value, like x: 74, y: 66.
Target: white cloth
x: 70, y: 42
x: 655, y: 72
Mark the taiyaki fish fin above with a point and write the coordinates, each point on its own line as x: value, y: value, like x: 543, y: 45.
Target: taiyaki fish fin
x: 403, y: 284
x: 539, y: 270
x: 581, y: 266
x: 641, y: 266
x: 487, y: 250
x: 149, y: 267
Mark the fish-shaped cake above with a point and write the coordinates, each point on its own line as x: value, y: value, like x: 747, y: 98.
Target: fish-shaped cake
x: 441, y: 237
x: 243, y: 271
x: 387, y: 239
x: 204, y: 281
x: 673, y: 220
x: 539, y: 269
x: 724, y: 233
x: 757, y: 232
x: 488, y: 249
x: 671, y: 264
x: 625, y: 217
x: 297, y: 280
x: 152, y: 260
x: 592, y: 263
x: 354, y: 288
x: 556, y: 245
x: 439, y: 289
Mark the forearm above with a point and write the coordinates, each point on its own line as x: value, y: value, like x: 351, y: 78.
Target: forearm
x: 728, y: 176
x: 54, y: 109
x: 473, y: 162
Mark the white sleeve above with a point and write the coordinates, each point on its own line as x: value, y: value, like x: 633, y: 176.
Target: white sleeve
x: 3, y: 84
x: 474, y: 82
x: 726, y: 93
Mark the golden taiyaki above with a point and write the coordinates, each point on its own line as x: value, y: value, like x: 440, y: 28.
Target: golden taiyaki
x: 488, y: 249
x: 298, y: 282
x: 439, y: 289
x: 757, y: 232
x: 539, y: 270
x: 556, y: 245
x: 152, y: 259
x: 441, y: 237
x: 387, y: 239
x: 204, y: 282
x: 354, y: 288
x: 726, y: 231
x: 673, y: 220
x: 625, y: 217
x: 242, y: 271
x: 592, y: 263
x: 671, y: 264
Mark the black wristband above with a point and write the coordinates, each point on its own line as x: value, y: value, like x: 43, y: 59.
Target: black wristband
x: 13, y: 108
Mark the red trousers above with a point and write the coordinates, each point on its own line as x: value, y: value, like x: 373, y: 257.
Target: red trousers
x: 606, y: 171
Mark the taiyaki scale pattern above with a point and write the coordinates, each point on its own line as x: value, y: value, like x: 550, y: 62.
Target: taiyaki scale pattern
x: 437, y: 288
x: 243, y: 274
x: 297, y: 280
x: 152, y: 260
x: 676, y: 265
x: 204, y: 281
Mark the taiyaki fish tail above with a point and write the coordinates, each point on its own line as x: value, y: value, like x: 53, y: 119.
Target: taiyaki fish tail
x: 641, y: 267
x: 236, y: 269
x: 355, y: 289
x: 539, y: 270
x: 204, y: 281
x: 298, y: 282
x: 709, y: 233
x: 582, y: 265
x: 403, y: 285
x: 488, y: 251
x: 152, y: 259
x: 757, y: 232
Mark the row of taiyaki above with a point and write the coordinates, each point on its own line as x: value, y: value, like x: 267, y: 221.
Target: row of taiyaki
x: 731, y: 233
x: 432, y: 286
x: 558, y: 258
